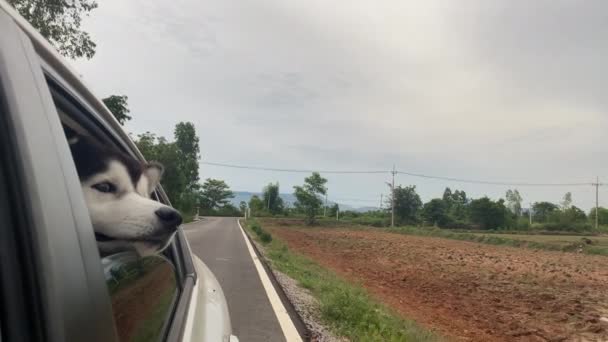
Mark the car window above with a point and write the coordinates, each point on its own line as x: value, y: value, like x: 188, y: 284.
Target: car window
x: 143, y: 291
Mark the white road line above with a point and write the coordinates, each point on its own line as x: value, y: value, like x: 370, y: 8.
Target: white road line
x: 289, y: 329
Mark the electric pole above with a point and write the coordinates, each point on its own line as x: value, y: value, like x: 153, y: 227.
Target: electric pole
x: 597, y: 202
x: 530, y: 212
x: 325, y: 207
x: 381, y: 201
x: 393, y: 197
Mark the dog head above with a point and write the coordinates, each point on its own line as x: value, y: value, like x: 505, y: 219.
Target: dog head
x: 117, y: 190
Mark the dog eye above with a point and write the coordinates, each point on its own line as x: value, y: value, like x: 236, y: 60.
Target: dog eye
x: 105, y: 187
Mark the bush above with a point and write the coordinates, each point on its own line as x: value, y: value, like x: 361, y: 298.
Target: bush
x: 265, y: 237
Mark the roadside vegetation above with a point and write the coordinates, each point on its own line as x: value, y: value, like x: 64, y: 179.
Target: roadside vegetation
x: 345, y: 307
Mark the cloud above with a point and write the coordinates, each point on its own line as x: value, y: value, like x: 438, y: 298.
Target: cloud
x: 494, y: 90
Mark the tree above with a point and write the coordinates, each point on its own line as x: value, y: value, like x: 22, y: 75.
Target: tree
x: 272, y: 199
x: 435, y: 212
x: 243, y: 207
x: 575, y: 214
x: 174, y: 180
x: 215, y: 194
x: 118, y: 105
x: 514, y: 200
x: 458, y: 206
x: 602, y: 215
x: 188, y: 144
x: 407, y: 204
x: 567, y: 201
x: 487, y: 213
x: 59, y: 22
x: 307, y: 196
x: 448, y: 197
x: 542, y: 210
x: 256, y: 204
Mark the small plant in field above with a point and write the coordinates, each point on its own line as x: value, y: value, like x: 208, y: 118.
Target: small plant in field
x: 265, y: 237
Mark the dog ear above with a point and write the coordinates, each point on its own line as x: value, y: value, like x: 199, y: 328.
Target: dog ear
x: 154, y: 172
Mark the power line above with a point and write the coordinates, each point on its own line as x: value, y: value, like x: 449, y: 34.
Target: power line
x: 420, y: 175
x: 471, y: 181
x: 289, y: 170
x: 353, y: 199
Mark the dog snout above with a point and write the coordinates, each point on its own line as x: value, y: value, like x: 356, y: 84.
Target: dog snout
x: 170, y: 217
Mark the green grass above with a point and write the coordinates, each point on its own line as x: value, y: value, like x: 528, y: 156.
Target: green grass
x: 345, y: 307
x: 565, y: 243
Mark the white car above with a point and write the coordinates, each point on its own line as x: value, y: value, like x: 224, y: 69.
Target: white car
x: 53, y: 284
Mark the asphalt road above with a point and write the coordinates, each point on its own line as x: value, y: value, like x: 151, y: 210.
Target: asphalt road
x: 220, y: 244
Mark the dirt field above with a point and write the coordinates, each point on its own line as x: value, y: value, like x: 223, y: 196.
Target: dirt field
x: 467, y: 291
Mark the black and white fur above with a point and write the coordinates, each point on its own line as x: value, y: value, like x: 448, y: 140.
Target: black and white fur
x: 117, y: 191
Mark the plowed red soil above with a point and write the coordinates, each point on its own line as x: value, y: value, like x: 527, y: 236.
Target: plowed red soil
x: 464, y: 290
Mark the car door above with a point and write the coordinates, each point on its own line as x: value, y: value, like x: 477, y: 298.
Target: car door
x: 63, y: 279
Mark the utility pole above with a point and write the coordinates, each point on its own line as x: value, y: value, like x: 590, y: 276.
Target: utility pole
x: 530, y: 212
x: 325, y: 207
x: 597, y: 202
x: 393, y: 198
x: 338, y: 214
x: 392, y: 186
x: 381, y: 201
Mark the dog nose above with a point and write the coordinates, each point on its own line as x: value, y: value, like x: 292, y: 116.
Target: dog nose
x: 169, y: 216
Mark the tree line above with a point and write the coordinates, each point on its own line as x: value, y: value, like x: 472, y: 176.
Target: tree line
x: 454, y: 209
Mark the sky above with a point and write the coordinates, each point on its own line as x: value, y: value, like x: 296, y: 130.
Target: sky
x: 508, y: 91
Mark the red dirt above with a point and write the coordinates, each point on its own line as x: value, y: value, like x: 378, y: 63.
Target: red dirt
x: 464, y: 290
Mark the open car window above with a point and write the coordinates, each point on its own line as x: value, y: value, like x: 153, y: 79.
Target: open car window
x: 144, y: 291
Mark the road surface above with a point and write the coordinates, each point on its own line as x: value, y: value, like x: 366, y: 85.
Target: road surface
x: 220, y: 244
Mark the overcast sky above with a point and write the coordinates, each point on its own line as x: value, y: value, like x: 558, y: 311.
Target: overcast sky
x: 512, y: 91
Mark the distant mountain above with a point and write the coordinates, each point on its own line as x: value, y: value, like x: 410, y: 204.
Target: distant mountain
x: 289, y: 199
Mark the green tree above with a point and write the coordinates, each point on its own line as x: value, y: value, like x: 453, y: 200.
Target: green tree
x: 188, y: 144
x: 159, y: 149
x: 567, y: 201
x: 435, y: 212
x: 59, y: 21
x: 272, y: 199
x: 407, y: 204
x: 180, y: 159
x: 488, y: 214
x: 602, y: 215
x: 215, y: 194
x: 458, y: 206
x: 448, y: 197
x: 118, y: 105
x: 243, y: 207
x: 542, y: 210
x: 256, y: 205
x: 307, y: 196
x: 514, y: 200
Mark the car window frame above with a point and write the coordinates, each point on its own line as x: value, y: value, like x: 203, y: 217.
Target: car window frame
x: 20, y: 311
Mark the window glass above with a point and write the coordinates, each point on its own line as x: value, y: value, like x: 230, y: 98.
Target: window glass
x: 143, y: 291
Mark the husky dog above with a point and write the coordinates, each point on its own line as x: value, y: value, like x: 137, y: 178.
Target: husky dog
x: 117, y: 191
